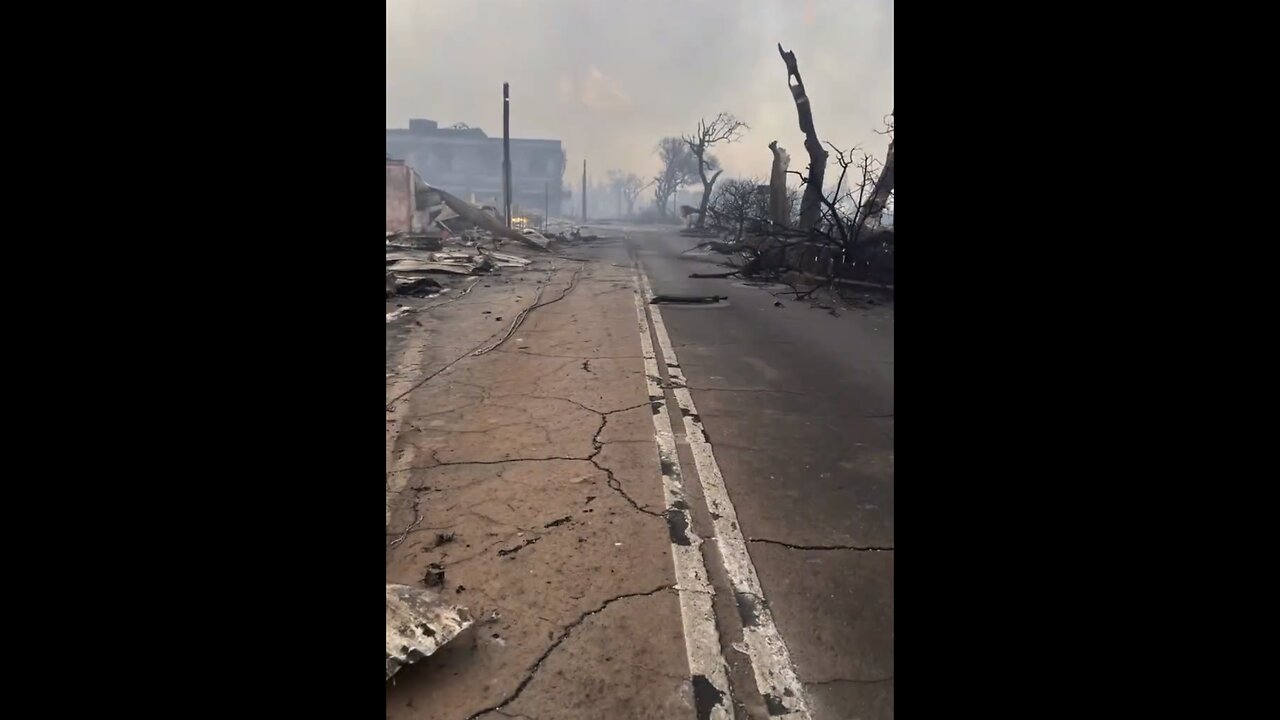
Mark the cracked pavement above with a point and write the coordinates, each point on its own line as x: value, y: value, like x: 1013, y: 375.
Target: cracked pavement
x: 528, y: 476
x: 539, y: 458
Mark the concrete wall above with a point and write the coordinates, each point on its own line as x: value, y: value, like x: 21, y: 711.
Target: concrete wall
x: 400, y: 198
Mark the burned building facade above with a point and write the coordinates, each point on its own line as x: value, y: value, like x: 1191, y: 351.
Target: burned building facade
x: 468, y: 163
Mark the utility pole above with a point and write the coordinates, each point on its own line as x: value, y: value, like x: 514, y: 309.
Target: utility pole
x: 506, y: 152
x: 584, y: 190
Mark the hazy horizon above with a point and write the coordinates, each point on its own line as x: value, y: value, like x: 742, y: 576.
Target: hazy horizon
x: 610, y: 78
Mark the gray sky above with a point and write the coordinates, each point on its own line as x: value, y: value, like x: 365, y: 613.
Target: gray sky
x: 610, y: 77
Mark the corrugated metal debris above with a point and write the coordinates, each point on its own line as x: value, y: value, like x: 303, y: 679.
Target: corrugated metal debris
x: 418, y: 624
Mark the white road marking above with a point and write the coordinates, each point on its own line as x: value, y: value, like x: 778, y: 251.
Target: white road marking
x: 702, y: 642
x: 770, y: 660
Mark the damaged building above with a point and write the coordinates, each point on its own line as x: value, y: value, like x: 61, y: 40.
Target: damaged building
x: 468, y: 163
x: 402, y: 185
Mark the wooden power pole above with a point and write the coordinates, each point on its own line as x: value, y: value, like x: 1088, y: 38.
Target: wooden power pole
x: 584, y: 190
x: 506, y: 152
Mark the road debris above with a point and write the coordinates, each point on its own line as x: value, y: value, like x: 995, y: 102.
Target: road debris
x: 418, y: 624
x: 434, y: 576
x: 457, y: 263
x: 485, y: 221
x: 505, y: 259
x: 415, y: 241
x: 417, y: 287
x: 687, y: 299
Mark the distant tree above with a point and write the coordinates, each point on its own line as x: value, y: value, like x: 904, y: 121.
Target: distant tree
x: 679, y: 168
x: 627, y: 187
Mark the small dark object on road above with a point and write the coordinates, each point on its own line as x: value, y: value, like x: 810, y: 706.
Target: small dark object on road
x: 499, y: 319
x: 435, y: 575
x: 833, y: 312
x: 777, y: 303
x: 713, y: 275
x: 443, y: 538
x: 460, y: 588
x: 688, y: 299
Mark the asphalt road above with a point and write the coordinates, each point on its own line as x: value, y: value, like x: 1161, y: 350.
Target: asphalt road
x: 797, y: 402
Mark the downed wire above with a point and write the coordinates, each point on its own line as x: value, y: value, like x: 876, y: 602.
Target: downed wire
x: 462, y: 294
x: 515, y: 324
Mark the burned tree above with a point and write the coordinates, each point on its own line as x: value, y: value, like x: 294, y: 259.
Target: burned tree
x: 738, y: 206
x: 779, y: 199
x: 879, y: 199
x: 811, y: 202
x: 845, y: 241
x: 724, y: 128
x: 679, y: 168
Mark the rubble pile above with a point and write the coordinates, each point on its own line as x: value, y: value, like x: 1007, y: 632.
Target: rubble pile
x: 411, y: 267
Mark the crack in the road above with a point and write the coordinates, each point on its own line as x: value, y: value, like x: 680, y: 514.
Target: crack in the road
x: 858, y: 548
x: 570, y: 357
x: 612, y: 481
x: 453, y: 463
x: 518, y: 548
x: 610, y: 478
x: 520, y: 716
x: 616, y: 485
x: 588, y: 408
x: 568, y: 630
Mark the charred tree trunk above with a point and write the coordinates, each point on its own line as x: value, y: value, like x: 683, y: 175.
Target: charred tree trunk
x: 706, y: 197
x: 811, y: 202
x: 884, y: 185
x: 779, y: 211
